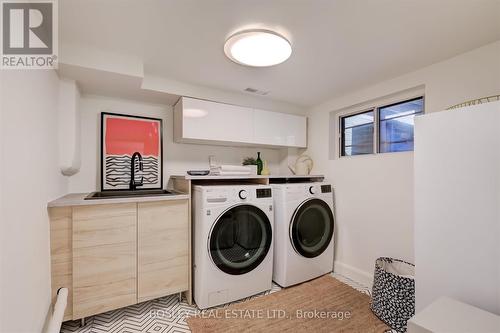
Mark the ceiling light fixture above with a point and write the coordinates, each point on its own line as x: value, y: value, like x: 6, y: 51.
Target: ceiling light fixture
x: 257, y: 48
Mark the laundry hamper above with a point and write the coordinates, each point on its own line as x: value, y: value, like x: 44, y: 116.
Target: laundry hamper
x: 393, y: 293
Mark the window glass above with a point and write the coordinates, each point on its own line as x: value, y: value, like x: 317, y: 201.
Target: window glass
x: 357, y: 134
x: 396, y: 123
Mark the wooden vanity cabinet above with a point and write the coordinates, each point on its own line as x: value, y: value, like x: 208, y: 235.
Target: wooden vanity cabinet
x: 114, y: 255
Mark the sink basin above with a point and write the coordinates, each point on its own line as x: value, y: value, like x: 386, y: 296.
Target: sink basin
x: 127, y: 194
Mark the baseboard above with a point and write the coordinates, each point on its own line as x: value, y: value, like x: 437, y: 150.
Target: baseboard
x: 361, y: 277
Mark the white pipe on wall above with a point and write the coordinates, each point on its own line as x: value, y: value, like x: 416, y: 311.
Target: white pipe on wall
x: 68, y: 127
x: 58, y: 313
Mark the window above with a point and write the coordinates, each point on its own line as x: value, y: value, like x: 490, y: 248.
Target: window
x: 357, y: 134
x: 389, y: 126
x: 396, y: 123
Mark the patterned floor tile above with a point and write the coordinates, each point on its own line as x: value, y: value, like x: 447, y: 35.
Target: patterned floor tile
x: 163, y: 315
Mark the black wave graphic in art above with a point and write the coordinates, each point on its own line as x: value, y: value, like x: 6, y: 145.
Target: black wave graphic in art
x: 118, y: 170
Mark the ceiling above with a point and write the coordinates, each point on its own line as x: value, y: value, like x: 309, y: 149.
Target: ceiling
x: 338, y: 45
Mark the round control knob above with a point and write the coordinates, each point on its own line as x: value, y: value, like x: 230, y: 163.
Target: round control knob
x: 243, y: 194
x: 312, y: 190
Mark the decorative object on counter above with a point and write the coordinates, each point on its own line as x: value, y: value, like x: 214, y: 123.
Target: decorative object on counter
x: 251, y: 163
x: 393, y: 293
x: 303, y: 166
x: 230, y: 170
x: 123, y: 136
x: 198, y: 172
x: 482, y: 100
x: 265, y: 169
x: 258, y: 161
x: 211, y: 161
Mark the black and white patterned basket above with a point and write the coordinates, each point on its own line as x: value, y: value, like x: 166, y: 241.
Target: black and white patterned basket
x: 393, y: 293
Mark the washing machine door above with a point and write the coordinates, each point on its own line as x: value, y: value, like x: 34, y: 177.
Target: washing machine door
x: 311, y: 228
x: 240, y: 239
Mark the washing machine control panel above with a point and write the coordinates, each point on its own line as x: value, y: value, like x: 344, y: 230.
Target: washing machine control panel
x: 243, y: 194
x: 326, y: 188
x: 263, y: 193
x: 236, y: 194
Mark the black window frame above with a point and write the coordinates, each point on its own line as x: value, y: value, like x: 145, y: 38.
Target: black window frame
x: 376, y: 125
x: 342, y: 130
x: 379, y: 121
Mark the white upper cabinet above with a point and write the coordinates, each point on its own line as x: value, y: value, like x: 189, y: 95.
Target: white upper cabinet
x: 199, y: 121
x: 211, y: 121
x: 279, y: 129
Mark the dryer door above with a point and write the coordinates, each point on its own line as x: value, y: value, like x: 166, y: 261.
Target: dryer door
x: 240, y: 239
x: 311, y: 228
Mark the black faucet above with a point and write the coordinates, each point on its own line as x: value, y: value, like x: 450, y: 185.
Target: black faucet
x: 133, y: 184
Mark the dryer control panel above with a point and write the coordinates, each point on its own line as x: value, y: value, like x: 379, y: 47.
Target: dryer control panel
x: 263, y: 193
x: 326, y: 188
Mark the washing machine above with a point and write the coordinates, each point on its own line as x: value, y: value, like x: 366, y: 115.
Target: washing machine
x: 304, y: 227
x: 233, y: 242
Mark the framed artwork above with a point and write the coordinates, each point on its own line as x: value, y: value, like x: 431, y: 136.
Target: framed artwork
x: 123, y: 136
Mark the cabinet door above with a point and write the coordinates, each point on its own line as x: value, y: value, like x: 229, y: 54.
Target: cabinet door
x: 163, y: 248
x: 279, y: 129
x: 269, y: 128
x: 218, y: 122
x: 104, y: 258
x: 296, y: 133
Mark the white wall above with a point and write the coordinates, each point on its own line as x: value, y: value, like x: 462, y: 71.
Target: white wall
x: 177, y: 157
x: 30, y: 179
x: 374, y: 194
x: 457, y: 221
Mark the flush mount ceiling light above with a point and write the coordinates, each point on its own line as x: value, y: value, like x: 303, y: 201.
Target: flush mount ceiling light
x: 257, y: 48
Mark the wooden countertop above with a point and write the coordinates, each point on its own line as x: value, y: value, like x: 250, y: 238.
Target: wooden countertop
x: 78, y: 199
x: 208, y: 177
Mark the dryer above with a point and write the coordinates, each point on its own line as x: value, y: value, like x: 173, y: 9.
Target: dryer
x: 304, y: 232
x: 233, y: 242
